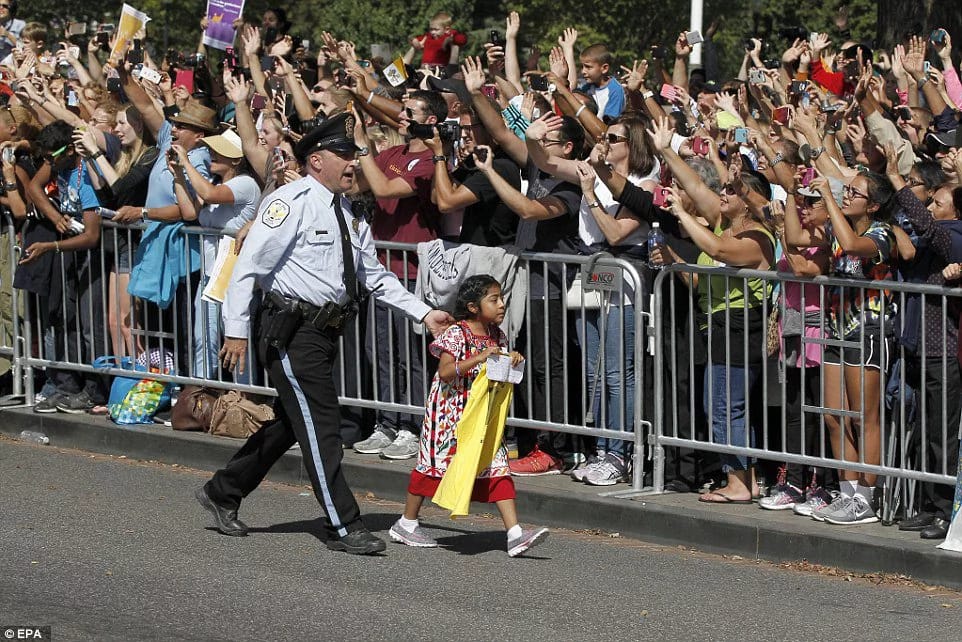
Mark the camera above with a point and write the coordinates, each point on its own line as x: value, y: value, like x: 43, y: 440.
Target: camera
x: 659, y: 53
x: 481, y: 154
x: 741, y: 135
x: 937, y: 37
x: 828, y: 106
x: 495, y: 38
x: 446, y: 130
x: 9, y: 155
x: 749, y: 45
x: 756, y: 76
x: 172, y: 154
x: 538, y: 82
x: 798, y: 86
x: 793, y: 33
x: 113, y: 85
x: 660, y: 197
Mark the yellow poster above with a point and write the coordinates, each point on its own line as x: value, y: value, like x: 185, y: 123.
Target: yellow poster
x: 131, y: 21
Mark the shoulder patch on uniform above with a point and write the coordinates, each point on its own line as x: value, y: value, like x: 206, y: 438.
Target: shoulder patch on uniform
x: 276, y: 213
x: 413, y: 163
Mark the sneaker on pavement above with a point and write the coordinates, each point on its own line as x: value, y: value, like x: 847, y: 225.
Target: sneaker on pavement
x: 75, y: 404
x: 578, y: 474
x: 815, y: 499
x: 838, y: 505
x: 608, y: 473
x: 857, y: 511
x: 380, y: 439
x: 781, y: 497
x: 417, y: 537
x: 537, y: 462
x: 527, y: 540
x: 49, y: 404
x: 405, y: 446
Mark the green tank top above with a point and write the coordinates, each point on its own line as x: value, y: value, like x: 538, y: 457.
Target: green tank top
x: 717, y: 292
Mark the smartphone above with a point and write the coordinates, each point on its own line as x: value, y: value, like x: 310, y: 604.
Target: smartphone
x: 495, y: 38
x: 808, y: 175
x: 72, y: 100
x: 185, y: 78
x: 491, y: 91
x: 700, y: 146
x: 660, y: 196
x: 258, y: 101
x: 741, y: 135
x: 812, y: 37
x: 230, y: 59
x: 926, y: 67
x: 668, y: 92
x: 171, y: 154
x: 103, y: 39
x: 280, y: 158
x: 694, y: 37
x: 76, y: 28
x: 781, y: 115
x: 151, y: 75
x: 798, y: 86
x: 306, y: 45
x: 135, y: 56
x: 538, y: 82
x: 756, y: 76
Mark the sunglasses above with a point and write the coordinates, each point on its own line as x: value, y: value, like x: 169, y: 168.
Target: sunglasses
x: 317, y: 88
x: 52, y: 156
x: 409, y: 113
x: 728, y: 189
x: 615, y: 138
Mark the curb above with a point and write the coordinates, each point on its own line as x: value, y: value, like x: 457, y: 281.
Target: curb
x: 552, y: 501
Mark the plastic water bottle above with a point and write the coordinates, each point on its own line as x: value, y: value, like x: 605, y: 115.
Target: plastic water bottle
x: 656, y: 238
x: 34, y: 437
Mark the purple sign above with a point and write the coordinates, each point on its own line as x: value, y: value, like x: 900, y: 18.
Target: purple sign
x: 221, y: 15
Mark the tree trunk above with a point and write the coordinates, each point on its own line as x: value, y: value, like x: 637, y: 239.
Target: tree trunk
x: 899, y: 18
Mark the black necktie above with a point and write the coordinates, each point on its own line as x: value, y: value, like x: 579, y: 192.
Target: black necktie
x: 347, y: 250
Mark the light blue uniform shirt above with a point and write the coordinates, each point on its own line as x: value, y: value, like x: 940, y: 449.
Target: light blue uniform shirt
x: 294, y: 249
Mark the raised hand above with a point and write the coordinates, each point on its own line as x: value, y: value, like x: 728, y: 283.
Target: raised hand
x: 661, y: 132
x: 682, y: 48
x: 473, y: 74
x: 634, y: 78
x: 512, y: 25
x: 558, y: 64
x: 567, y: 39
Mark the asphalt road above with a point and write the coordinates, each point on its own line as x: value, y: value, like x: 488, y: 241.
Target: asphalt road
x: 102, y: 548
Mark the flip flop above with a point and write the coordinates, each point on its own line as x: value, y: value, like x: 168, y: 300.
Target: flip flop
x: 726, y: 499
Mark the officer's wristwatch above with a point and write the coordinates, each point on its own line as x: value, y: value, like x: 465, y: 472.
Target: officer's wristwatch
x: 363, y: 151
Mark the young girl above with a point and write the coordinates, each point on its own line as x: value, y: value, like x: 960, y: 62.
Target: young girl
x: 462, y: 349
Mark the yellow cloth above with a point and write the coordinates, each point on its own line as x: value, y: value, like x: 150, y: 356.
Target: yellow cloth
x: 478, y: 436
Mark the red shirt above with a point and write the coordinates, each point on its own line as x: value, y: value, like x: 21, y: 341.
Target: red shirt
x: 437, y: 51
x: 413, y: 219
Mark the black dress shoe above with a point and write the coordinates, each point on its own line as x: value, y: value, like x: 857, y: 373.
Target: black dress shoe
x: 917, y: 523
x: 224, y: 518
x: 937, y: 530
x: 359, y: 542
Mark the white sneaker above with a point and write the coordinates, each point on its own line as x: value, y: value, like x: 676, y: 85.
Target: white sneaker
x: 528, y: 539
x: 609, y: 472
x: 579, y: 474
x: 417, y: 538
x: 405, y: 446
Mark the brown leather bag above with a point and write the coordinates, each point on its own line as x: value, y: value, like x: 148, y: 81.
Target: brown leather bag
x: 234, y: 415
x: 193, y: 409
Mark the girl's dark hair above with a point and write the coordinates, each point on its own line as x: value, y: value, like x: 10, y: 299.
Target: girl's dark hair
x: 472, y: 291
x: 880, y: 191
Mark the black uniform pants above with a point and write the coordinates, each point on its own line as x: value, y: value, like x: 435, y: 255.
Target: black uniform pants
x: 307, y: 413
x: 939, y: 452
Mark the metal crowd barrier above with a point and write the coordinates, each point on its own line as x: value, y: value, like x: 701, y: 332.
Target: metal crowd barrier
x: 902, y: 440
x: 554, y: 396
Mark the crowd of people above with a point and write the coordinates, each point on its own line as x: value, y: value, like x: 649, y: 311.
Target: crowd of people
x: 835, y: 160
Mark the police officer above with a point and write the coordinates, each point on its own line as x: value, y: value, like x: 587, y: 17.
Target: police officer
x: 307, y: 253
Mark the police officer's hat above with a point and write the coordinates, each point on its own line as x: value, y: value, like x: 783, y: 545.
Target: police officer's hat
x: 336, y: 134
